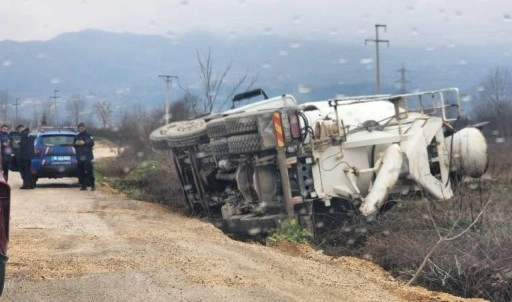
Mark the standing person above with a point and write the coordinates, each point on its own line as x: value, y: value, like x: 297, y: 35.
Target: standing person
x: 83, y: 144
x: 15, y: 137
x: 26, y: 153
x: 5, y: 141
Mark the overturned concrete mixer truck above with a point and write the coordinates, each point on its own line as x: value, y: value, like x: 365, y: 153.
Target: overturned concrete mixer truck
x: 249, y: 167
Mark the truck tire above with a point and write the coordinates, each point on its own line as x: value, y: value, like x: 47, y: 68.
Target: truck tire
x: 180, y: 134
x: 240, y: 124
x: 247, y: 143
x: 216, y: 128
x: 219, y: 147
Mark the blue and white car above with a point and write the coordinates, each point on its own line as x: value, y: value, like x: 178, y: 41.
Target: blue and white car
x: 55, y: 156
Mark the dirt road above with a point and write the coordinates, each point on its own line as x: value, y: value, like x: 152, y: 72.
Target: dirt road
x: 71, y: 245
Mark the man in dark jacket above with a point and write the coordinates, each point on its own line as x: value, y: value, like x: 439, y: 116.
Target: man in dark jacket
x: 26, y: 152
x: 83, y: 144
x: 5, y: 142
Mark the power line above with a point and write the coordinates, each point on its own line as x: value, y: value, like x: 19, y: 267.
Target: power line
x: 377, y: 63
x: 168, y: 82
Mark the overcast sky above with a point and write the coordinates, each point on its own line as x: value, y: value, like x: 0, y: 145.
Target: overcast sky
x: 425, y: 22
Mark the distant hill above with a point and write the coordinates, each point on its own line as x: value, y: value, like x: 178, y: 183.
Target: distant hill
x: 124, y: 67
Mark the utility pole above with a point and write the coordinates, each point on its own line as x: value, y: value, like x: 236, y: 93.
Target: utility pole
x: 16, y: 106
x: 168, y: 82
x: 55, y: 97
x: 403, y: 79
x: 377, y: 63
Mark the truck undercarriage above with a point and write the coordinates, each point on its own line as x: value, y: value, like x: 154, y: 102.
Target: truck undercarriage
x: 250, y: 167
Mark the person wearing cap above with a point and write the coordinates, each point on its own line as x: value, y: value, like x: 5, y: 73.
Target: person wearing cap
x: 83, y: 144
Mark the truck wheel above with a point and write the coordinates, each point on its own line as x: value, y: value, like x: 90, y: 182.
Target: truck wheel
x: 216, y: 128
x: 219, y: 147
x: 244, y: 123
x: 180, y: 134
x: 239, y: 144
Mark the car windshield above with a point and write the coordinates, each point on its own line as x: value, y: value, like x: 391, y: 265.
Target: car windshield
x: 58, y: 140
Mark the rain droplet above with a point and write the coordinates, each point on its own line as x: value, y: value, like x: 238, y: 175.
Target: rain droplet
x: 232, y: 34
x: 458, y: 13
x: 267, y: 31
x: 304, y: 89
x: 266, y: 66
x: 431, y: 48
x: 342, y: 61
x: 334, y: 31
x: 126, y: 169
x: 7, y: 63
x: 495, y: 132
x: 297, y: 19
x: 140, y: 154
x: 283, y: 52
x: 463, y: 62
x: 295, y: 44
x: 41, y: 55
x: 415, y: 31
x: 507, y: 17
x: 184, y: 3
x: 341, y: 83
x: 500, y: 140
x: 366, y: 60
x: 152, y: 23
x: 466, y: 98
x: 339, y: 96
x: 170, y: 34
x: 55, y: 81
x: 480, y: 89
x: 410, y: 8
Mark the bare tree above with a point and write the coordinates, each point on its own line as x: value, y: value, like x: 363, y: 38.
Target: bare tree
x: 4, y: 105
x: 103, y: 109
x: 74, y: 107
x: 217, y: 88
x: 495, y: 100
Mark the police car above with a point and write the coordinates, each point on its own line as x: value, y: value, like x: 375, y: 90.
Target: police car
x: 54, y: 153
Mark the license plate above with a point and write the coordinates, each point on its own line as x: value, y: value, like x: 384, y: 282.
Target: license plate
x: 61, y: 158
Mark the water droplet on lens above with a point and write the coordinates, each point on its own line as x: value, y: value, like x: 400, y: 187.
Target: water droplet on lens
x: 295, y: 44
x: 184, y: 3
x: 265, y: 66
x: 267, y: 31
x: 366, y: 60
x: 463, y: 62
x: 342, y: 61
x: 334, y: 31
x: 152, y: 23
x: 297, y: 19
x: 304, y: 88
x: 480, y: 89
x: 500, y: 140
x: 466, y: 98
x: 7, y: 63
x: 55, y: 80
x: 507, y: 17
x: 283, y: 52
